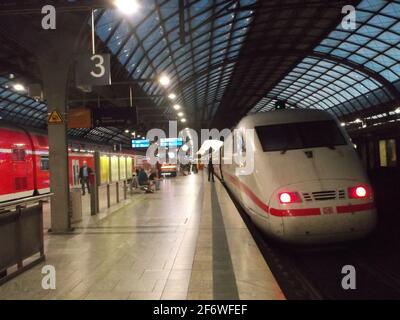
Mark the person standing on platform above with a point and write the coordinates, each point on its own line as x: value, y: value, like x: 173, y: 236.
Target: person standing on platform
x: 210, y: 170
x: 158, y: 167
x: 84, y: 174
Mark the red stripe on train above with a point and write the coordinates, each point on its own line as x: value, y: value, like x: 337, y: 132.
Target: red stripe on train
x: 355, y: 207
x: 272, y: 211
x: 294, y: 212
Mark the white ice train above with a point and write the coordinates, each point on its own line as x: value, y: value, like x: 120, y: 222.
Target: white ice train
x: 308, y: 185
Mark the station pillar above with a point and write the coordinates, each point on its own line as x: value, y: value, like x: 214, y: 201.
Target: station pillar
x: 55, y: 77
x: 56, y: 59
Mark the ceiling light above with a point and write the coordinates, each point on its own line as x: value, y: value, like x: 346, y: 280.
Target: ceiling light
x: 177, y: 107
x: 126, y: 131
x: 183, y: 120
x: 127, y: 6
x: 180, y: 114
x: 164, y: 80
x: 397, y: 110
x: 19, y: 87
x: 172, y: 96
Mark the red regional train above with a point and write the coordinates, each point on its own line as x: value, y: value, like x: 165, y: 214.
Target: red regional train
x: 24, y: 163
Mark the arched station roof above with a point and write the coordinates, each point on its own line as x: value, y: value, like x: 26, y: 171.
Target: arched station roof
x: 227, y: 58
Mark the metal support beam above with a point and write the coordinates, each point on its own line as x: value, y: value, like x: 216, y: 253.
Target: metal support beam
x: 182, y: 32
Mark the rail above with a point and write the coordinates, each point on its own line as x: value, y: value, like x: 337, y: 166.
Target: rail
x: 21, y: 236
x: 25, y: 201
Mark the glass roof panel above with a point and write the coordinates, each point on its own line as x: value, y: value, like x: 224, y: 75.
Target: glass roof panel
x: 207, y: 20
x: 376, y: 40
x: 342, y: 87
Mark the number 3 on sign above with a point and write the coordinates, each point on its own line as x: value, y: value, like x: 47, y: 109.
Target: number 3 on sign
x: 100, y: 65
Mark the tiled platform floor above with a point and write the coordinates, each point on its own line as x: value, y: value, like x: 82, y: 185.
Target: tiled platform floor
x: 185, y: 242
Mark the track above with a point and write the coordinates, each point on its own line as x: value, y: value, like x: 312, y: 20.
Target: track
x: 316, y: 274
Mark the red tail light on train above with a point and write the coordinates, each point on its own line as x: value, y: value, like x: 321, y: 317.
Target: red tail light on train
x: 358, y: 192
x: 289, y: 197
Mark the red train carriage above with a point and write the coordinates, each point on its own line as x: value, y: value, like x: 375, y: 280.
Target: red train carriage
x: 17, y: 164
x: 24, y: 163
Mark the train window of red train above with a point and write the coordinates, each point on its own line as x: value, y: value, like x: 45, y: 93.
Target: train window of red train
x: 44, y: 163
x: 18, y: 155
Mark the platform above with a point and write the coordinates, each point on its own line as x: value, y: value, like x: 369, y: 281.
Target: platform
x: 186, y: 241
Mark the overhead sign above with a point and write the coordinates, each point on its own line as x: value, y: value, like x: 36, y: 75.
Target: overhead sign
x: 140, y: 144
x: 79, y: 118
x: 114, y: 117
x: 55, y: 118
x: 171, y: 142
x: 93, y: 70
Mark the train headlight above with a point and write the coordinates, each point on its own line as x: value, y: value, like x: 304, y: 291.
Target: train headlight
x: 289, y: 197
x: 358, y: 192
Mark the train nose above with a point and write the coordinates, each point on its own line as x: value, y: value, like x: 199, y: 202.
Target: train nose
x: 339, y: 210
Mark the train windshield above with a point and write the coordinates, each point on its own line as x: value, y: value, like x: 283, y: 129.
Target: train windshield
x: 301, y: 135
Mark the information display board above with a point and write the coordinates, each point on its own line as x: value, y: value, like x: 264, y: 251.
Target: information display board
x: 171, y: 142
x: 140, y: 144
x: 119, y: 117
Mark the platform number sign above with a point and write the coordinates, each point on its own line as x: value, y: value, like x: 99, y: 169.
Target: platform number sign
x: 93, y: 70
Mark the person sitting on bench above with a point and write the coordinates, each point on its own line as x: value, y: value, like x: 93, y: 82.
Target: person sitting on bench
x: 144, y: 181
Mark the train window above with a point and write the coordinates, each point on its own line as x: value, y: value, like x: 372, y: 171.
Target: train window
x: 44, y: 163
x: 387, y: 153
x: 302, y: 135
x: 18, y: 155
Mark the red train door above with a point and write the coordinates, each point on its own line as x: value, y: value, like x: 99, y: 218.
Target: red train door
x: 20, y: 169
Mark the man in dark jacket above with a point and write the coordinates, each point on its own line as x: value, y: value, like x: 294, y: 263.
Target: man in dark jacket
x: 84, y: 174
x: 210, y: 170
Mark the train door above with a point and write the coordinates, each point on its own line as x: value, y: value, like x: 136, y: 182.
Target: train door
x: 20, y: 169
x: 75, y: 172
